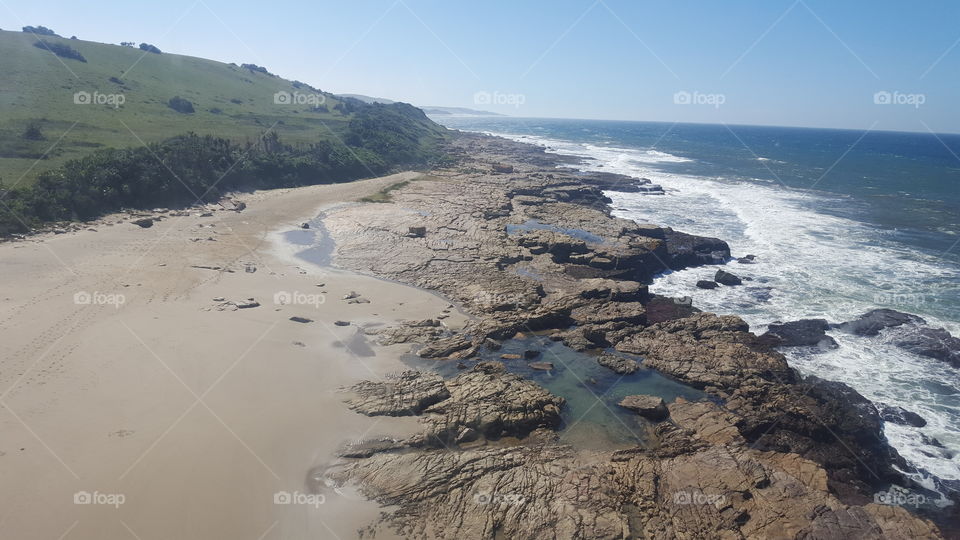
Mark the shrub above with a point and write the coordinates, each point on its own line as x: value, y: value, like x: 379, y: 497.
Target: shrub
x: 32, y: 132
x: 149, y: 48
x: 258, y: 69
x: 180, y: 105
x: 39, y: 31
x: 216, y: 110
x: 60, y: 49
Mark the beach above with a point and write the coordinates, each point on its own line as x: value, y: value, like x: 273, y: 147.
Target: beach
x: 241, y: 370
x: 166, y: 410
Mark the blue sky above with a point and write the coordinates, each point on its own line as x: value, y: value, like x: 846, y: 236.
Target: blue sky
x: 770, y: 62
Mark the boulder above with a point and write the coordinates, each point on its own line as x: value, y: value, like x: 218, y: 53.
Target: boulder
x: 899, y: 415
x: 805, y: 332
x: 542, y: 366
x: 707, y: 284
x: 650, y: 407
x: 872, y: 322
x: 726, y: 278
x: 930, y: 342
x: 145, y: 223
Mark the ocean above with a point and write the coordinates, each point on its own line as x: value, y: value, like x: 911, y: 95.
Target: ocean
x: 840, y: 222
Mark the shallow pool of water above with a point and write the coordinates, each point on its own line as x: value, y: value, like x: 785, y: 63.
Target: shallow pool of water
x: 591, y: 417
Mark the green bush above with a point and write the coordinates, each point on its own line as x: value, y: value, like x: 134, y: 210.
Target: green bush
x: 60, y: 49
x: 180, y: 105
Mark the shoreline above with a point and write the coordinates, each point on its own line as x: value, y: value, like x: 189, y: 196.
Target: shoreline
x: 281, y: 395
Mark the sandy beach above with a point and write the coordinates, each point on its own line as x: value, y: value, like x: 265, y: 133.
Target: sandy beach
x: 137, y: 402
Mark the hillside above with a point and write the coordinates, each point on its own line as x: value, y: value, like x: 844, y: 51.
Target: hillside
x: 133, y: 87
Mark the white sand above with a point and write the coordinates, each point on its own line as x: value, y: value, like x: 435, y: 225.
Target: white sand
x: 196, y: 416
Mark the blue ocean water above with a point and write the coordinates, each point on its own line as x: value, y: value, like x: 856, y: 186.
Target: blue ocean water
x: 841, y: 222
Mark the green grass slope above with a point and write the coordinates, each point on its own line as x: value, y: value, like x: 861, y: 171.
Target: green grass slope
x: 38, y: 88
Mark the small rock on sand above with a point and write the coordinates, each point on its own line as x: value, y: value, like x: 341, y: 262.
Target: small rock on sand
x: 299, y: 319
x: 342, y: 323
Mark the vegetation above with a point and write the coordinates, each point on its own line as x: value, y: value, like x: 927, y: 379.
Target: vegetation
x: 97, y: 165
x: 149, y: 48
x: 192, y: 168
x: 32, y: 132
x: 180, y: 105
x: 261, y: 69
x: 39, y: 31
x: 383, y: 195
x: 60, y: 49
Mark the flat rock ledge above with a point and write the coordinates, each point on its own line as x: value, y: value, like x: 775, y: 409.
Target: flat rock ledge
x: 702, y: 480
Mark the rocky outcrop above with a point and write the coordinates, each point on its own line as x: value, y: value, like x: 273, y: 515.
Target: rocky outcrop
x: 826, y: 422
x: 485, y: 402
x: 726, y: 278
x: 899, y: 415
x: 649, y: 407
x: 908, y: 332
x: 406, y: 394
x: 805, y: 332
x: 617, y: 363
x: 700, y: 481
x: 537, y: 250
x: 872, y: 322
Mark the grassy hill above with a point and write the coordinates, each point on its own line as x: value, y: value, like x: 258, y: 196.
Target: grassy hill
x: 40, y: 89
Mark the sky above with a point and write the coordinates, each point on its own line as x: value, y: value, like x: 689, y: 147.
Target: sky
x: 883, y: 65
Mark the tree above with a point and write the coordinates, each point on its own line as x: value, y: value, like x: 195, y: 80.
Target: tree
x: 149, y: 48
x: 39, y: 31
x: 180, y: 105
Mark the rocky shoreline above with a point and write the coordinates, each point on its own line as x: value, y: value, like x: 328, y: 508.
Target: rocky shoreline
x: 528, y: 248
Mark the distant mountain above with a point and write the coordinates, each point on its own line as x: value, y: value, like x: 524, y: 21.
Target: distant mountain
x: 367, y: 99
x: 434, y: 110
x: 437, y: 111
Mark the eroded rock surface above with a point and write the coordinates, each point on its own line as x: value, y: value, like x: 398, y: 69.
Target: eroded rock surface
x: 701, y: 481
x: 536, y: 249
